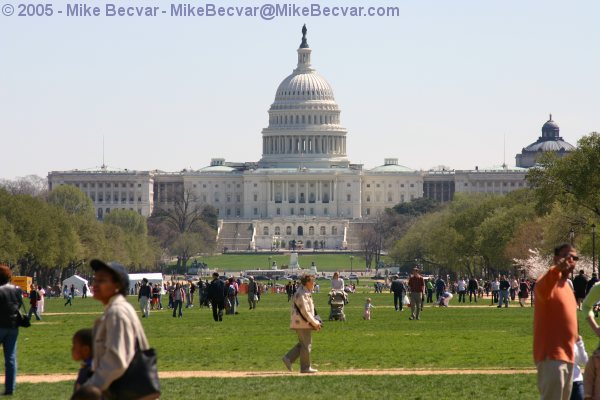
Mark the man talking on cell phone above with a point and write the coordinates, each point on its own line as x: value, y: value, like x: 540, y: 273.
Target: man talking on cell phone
x: 555, y: 326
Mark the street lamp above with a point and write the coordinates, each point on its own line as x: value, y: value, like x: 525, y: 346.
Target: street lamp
x: 593, y: 248
x: 351, y: 259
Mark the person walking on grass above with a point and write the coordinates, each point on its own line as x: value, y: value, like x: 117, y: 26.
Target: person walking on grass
x: 253, y: 293
x: 523, y: 292
x: 215, y: 293
x: 10, y: 302
x: 303, y: 321
x: 473, y: 287
x: 555, y: 326
x: 440, y: 288
x: 462, y: 289
x: 34, y: 297
x: 397, y: 287
x: 67, y: 296
x: 579, y: 287
x: 178, y: 299
x: 430, y: 286
x: 503, y: 293
x: 416, y: 285
x: 144, y: 296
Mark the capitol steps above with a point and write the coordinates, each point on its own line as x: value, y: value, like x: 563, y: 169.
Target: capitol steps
x: 235, y: 235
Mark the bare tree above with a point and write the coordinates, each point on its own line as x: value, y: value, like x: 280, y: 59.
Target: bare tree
x: 31, y: 185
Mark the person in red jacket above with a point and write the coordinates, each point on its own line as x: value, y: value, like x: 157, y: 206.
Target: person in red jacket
x: 555, y: 326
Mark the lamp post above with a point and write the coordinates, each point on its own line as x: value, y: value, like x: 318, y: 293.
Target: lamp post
x: 572, y: 240
x: 351, y: 259
x: 593, y: 248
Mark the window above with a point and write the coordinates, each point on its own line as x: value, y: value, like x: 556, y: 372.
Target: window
x: 412, y: 185
x: 368, y: 185
x: 368, y: 211
x: 255, y: 197
x: 288, y: 230
x: 377, y: 185
x: 312, y: 211
x: 229, y: 212
x: 389, y: 199
x: 278, y: 211
x: 291, y: 211
x: 322, y: 230
x: 311, y: 230
x: 255, y: 185
x: 228, y: 197
x: 266, y: 230
x: 140, y: 185
x: 325, y: 211
x: 334, y: 230
x: 139, y: 198
x: 277, y: 231
x: 368, y: 198
x: 237, y: 198
x: 255, y: 211
x: 347, y: 184
x: 402, y: 185
x: 238, y: 212
x: 348, y: 197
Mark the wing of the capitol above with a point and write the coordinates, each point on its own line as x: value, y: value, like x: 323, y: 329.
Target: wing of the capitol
x: 303, y: 188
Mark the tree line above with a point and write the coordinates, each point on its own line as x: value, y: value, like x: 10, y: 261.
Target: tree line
x: 52, y: 235
x: 485, y: 234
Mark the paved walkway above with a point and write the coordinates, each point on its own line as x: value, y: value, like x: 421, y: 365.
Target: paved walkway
x: 269, y: 374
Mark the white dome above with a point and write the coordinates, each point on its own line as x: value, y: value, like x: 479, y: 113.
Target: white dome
x: 307, y: 85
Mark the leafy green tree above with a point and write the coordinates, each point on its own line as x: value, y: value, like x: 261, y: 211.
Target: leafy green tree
x: 128, y: 220
x: 72, y: 200
x: 573, y: 180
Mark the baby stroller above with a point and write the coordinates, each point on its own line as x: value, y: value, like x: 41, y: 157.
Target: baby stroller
x: 337, y: 300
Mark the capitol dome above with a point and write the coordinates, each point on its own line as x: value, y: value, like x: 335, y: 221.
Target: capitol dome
x: 304, y: 86
x: 304, y: 121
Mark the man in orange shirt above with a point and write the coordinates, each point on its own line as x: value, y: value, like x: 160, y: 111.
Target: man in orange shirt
x: 555, y: 326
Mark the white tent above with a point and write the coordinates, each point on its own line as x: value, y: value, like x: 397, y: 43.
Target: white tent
x: 78, y: 282
x: 153, y: 277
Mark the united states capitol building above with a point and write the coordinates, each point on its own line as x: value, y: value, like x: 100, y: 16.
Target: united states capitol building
x: 304, y: 187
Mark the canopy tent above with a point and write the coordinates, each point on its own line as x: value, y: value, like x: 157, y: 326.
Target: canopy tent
x: 76, y: 281
x: 153, y: 277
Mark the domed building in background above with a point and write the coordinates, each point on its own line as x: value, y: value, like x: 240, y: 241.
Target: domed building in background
x: 304, y: 191
x: 550, y: 141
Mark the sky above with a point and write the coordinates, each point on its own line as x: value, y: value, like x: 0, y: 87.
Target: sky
x: 453, y: 83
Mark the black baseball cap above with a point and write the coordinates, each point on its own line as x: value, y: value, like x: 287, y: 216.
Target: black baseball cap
x: 117, y: 270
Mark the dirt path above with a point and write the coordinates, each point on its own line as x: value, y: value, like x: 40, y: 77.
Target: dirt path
x: 268, y: 374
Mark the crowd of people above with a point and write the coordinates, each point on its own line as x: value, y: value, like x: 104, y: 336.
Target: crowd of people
x: 106, y: 351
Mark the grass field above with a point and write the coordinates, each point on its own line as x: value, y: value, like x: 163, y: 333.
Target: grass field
x: 324, y: 262
x: 480, y: 337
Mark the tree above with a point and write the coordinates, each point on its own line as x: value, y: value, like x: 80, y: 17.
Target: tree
x: 573, y: 179
x: 128, y: 220
x: 185, y: 246
x: 31, y: 185
x: 185, y: 214
x: 72, y: 200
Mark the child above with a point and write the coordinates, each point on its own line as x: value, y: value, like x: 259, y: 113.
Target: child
x: 82, y: 351
x: 368, y: 307
x: 581, y: 358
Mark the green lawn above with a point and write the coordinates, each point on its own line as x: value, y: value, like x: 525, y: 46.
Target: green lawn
x: 469, y: 337
x: 333, y: 387
x: 324, y: 262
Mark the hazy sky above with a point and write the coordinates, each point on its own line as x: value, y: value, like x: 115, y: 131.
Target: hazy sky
x: 443, y: 83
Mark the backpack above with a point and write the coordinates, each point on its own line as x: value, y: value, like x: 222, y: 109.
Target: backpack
x: 231, y: 290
